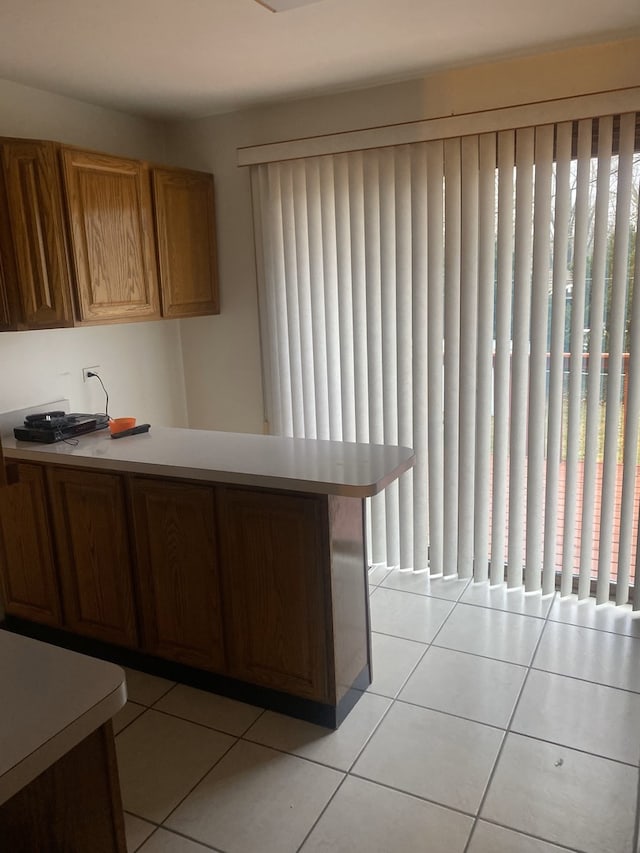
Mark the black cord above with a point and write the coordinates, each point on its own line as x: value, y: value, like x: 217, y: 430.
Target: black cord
x: 106, y: 393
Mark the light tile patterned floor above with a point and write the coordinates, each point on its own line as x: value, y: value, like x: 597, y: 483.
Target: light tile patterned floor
x: 496, y: 723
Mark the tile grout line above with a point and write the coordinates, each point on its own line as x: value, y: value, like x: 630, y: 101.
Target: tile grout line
x: 195, y: 785
x: 519, y: 733
x: 522, y: 832
x: 374, y: 730
x: 157, y: 826
x: 507, y: 731
x: 547, y: 618
x: 395, y: 699
x: 524, y: 666
x: 392, y: 700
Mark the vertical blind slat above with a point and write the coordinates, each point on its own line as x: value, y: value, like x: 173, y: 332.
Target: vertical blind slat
x: 420, y: 332
x: 452, y: 248
x: 264, y: 269
x: 359, y: 290
x: 345, y: 300
x: 389, y: 251
x: 468, y: 352
x: 304, y: 386
x: 420, y: 335
x: 574, y: 415
x: 327, y: 290
x: 286, y: 353
x: 501, y: 383
x: 405, y: 380
x: 520, y: 357
x: 486, y: 296
x: 556, y: 362
x: 536, y: 428
x: 596, y: 328
x: 435, y: 367
x: 373, y: 299
x: 320, y: 291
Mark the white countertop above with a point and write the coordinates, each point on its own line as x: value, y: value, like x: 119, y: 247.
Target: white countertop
x: 295, y: 464
x: 52, y: 699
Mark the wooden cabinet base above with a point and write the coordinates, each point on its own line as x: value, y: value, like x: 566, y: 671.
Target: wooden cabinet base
x: 321, y: 713
x: 74, y: 806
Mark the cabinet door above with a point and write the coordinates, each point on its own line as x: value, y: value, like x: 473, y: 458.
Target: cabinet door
x: 37, y: 230
x: 273, y: 555
x: 178, y: 572
x: 109, y: 206
x: 27, y: 569
x: 94, y: 561
x: 186, y: 240
x: 10, y: 313
x: 8, y: 310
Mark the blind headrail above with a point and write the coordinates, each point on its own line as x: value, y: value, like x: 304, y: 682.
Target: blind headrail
x: 445, y: 127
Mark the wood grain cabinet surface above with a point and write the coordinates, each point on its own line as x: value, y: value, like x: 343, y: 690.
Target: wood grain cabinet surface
x: 186, y: 242
x: 90, y: 238
x: 74, y: 806
x: 273, y: 563
x: 89, y: 517
x: 34, y: 204
x: 27, y: 569
x: 178, y: 573
x: 111, y: 233
x: 10, y: 310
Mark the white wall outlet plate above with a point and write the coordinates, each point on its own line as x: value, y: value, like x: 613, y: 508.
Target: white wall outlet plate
x: 87, y: 370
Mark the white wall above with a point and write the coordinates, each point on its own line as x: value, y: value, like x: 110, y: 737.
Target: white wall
x: 227, y: 393
x: 141, y: 363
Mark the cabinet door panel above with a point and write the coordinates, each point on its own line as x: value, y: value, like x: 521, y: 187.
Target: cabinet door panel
x: 186, y: 240
x: 37, y: 226
x: 90, y: 523
x: 27, y: 569
x: 109, y: 204
x: 272, y: 564
x: 178, y: 572
x: 10, y: 312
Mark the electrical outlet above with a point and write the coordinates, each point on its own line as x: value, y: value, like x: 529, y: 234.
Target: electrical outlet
x: 87, y: 370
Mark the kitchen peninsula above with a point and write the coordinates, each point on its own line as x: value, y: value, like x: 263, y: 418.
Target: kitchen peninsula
x: 233, y: 562
x: 59, y: 786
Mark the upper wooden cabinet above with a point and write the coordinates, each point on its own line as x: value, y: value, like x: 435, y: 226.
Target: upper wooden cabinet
x: 36, y: 225
x: 82, y: 242
x: 110, y: 220
x: 10, y: 311
x: 186, y: 242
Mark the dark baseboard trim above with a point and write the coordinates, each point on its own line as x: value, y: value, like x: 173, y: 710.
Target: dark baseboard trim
x: 321, y: 714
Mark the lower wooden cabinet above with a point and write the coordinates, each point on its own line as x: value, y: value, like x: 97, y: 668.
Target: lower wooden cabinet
x: 178, y: 574
x: 27, y: 570
x: 89, y: 516
x: 75, y: 805
x: 277, y: 611
x: 236, y: 581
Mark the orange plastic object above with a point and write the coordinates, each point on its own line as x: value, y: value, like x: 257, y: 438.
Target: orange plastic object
x: 118, y: 424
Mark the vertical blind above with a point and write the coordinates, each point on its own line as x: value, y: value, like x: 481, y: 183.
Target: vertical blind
x: 473, y: 298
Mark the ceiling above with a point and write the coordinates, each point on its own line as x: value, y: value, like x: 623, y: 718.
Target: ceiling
x: 190, y: 58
